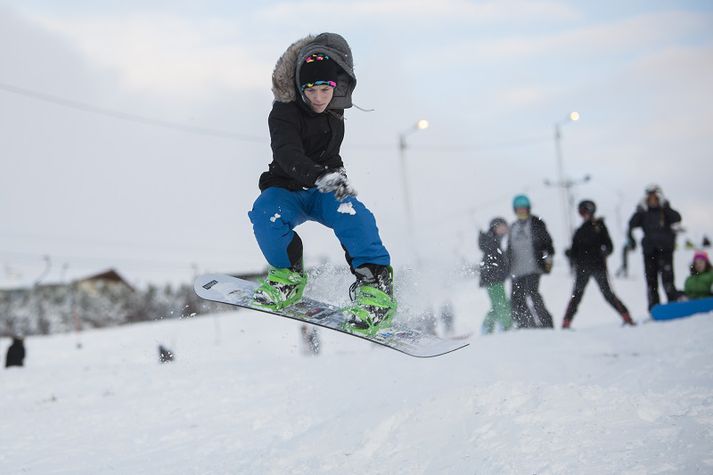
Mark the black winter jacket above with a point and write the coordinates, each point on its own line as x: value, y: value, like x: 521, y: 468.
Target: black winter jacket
x: 656, y: 224
x: 494, y: 264
x: 542, y: 243
x: 591, y: 245
x: 305, y: 144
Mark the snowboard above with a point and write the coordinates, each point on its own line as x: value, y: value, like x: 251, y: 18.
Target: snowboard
x: 399, y: 336
x: 670, y: 311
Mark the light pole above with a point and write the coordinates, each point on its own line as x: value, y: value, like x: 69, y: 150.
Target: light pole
x: 565, y: 185
x: 420, y: 125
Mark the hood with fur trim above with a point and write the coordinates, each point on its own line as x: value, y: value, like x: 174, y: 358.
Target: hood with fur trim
x: 285, y: 76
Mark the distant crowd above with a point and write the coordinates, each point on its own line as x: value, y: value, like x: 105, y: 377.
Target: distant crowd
x: 523, y: 252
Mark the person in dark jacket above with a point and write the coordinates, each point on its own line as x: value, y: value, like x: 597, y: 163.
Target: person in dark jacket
x: 15, y: 353
x: 530, y: 252
x: 306, y: 181
x: 494, y: 270
x: 591, y: 245
x: 657, y: 219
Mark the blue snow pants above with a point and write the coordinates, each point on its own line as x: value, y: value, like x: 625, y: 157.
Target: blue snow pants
x: 277, y: 211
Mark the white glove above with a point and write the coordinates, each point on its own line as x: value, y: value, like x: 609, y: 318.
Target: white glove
x: 336, y: 182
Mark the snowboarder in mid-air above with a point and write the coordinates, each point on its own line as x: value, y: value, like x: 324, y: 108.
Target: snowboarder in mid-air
x: 312, y: 84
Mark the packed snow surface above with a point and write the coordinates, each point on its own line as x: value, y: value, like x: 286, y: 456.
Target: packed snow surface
x: 243, y: 397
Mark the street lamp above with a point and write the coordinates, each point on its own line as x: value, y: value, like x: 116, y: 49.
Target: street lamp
x: 419, y: 125
x: 565, y: 185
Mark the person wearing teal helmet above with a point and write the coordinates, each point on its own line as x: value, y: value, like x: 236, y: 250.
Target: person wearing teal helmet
x: 530, y: 252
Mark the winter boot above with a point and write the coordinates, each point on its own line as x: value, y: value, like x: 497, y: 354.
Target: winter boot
x: 282, y: 287
x: 373, y: 296
x: 627, y: 320
x: 566, y: 323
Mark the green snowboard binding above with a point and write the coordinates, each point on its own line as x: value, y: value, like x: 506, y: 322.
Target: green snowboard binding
x: 374, y: 305
x: 282, y: 287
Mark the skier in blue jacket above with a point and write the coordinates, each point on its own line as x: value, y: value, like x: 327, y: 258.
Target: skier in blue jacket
x: 306, y: 181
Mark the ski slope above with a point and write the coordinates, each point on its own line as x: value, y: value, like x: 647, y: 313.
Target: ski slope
x: 242, y: 397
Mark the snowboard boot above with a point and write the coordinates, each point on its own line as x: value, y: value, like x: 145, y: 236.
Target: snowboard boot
x: 282, y: 287
x: 373, y: 296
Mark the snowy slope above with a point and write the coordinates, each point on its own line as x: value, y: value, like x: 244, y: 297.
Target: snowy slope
x: 243, y: 398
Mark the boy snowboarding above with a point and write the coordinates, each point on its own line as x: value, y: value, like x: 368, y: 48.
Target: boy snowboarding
x: 306, y: 181
x: 591, y: 245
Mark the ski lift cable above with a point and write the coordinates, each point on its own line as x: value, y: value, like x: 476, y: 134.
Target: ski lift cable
x: 207, y: 131
x: 84, y: 107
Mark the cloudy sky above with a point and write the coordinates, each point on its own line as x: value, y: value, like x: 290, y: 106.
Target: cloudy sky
x: 132, y: 133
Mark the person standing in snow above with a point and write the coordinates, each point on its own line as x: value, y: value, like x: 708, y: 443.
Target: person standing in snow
x: 312, y: 84
x: 591, y: 245
x: 530, y: 252
x: 494, y: 270
x: 657, y: 219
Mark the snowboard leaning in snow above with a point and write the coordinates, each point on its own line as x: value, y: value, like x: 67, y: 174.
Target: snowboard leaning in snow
x: 414, y: 342
x: 669, y: 311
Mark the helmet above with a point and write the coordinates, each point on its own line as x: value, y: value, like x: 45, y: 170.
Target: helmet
x: 587, y: 206
x: 521, y: 201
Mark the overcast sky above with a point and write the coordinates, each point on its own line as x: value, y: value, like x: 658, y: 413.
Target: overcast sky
x: 132, y: 133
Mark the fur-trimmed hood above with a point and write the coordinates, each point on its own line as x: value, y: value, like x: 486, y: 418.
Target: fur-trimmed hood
x: 285, y: 76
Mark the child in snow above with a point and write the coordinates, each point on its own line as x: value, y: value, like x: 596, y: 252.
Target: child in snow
x: 591, y: 245
x: 530, y: 254
x: 700, y: 283
x: 306, y: 181
x: 494, y: 270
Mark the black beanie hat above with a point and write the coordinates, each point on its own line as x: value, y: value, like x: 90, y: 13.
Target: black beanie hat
x: 318, y: 69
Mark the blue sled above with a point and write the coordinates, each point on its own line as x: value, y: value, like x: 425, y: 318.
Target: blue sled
x: 673, y: 310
